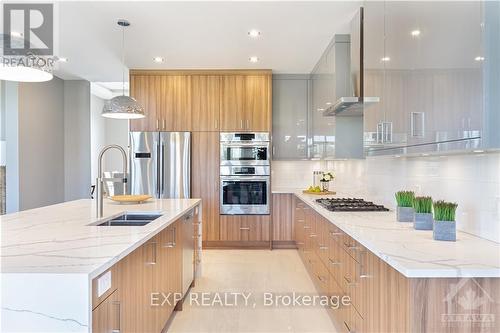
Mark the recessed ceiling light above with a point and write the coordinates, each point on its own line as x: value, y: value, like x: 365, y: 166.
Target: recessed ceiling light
x: 254, y: 33
x: 415, y: 33
x: 479, y: 58
x: 16, y: 34
x: 62, y: 59
x: 158, y: 60
x: 253, y: 59
x: 385, y: 59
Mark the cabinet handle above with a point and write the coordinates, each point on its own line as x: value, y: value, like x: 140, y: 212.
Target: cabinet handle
x: 335, y: 233
x: 312, y: 235
x: 300, y: 221
x: 307, y: 227
x: 241, y: 124
x: 334, y: 263
x: 323, y: 248
x: 417, y: 124
x: 153, y: 254
x: 274, y: 150
x: 248, y: 124
x: 300, y: 243
x: 163, y: 122
x: 119, y: 317
x: 157, y: 124
x: 216, y: 124
x: 244, y: 228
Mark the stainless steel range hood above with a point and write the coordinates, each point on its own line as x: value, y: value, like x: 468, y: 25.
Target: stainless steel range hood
x: 353, y: 105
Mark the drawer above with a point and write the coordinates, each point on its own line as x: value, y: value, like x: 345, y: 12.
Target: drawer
x: 335, y: 258
x: 244, y: 227
x: 355, y: 277
x: 353, y: 322
x: 322, y: 276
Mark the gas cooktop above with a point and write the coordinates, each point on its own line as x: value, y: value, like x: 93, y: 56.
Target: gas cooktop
x: 350, y: 205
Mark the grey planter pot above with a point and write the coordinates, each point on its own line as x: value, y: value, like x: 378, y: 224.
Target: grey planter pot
x: 423, y: 221
x: 445, y: 231
x: 405, y: 214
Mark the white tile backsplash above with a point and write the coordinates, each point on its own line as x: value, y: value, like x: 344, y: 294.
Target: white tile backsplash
x: 472, y: 180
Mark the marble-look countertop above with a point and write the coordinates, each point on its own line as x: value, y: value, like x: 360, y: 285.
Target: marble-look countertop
x: 58, y: 238
x: 412, y: 252
x: 50, y: 255
x: 285, y: 190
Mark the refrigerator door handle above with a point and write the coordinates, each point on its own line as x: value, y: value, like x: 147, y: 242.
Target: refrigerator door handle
x: 158, y: 172
x: 162, y: 169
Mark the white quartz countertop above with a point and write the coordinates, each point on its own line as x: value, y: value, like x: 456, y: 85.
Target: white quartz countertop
x: 412, y: 252
x: 59, y: 240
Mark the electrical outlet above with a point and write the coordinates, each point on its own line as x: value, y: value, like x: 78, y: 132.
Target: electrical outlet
x: 103, y: 283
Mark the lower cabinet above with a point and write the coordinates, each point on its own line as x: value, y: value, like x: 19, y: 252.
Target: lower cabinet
x: 380, y: 299
x: 245, y: 229
x: 106, y: 316
x: 145, y: 285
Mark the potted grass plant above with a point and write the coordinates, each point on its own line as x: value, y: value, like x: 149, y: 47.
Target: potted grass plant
x: 423, y: 213
x: 445, y: 228
x: 405, y: 210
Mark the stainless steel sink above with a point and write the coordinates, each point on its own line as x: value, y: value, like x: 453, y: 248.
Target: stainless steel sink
x: 130, y: 219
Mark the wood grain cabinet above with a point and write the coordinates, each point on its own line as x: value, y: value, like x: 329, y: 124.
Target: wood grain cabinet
x: 246, y: 103
x: 205, y: 180
x: 205, y: 102
x: 245, y: 228
x: 283, y: 222
x: 155, y: 268
x: 381, y: 298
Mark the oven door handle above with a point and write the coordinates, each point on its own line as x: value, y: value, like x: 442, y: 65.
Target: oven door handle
x: 245, y: 144
x: 247, y: 178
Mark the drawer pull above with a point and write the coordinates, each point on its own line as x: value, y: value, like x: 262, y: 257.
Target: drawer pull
x: 244, y: 228
x: 300, y: 243
x: 335, y: 233
x: 332, y: 262
x: 323, y: 248
x: 307, y: 227
x: 300, y: 221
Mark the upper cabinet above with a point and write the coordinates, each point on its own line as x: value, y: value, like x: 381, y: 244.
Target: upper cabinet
x: 166, y: 100
x: 426, y: 63
x: 290, y: 116
x: 203, y: 101
x: 246, y: 102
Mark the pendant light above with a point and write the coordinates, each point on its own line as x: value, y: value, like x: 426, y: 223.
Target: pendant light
x: 24, y: 68
x: 123, y: 107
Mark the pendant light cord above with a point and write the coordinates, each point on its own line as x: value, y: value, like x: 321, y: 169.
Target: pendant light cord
x: 123, y: 60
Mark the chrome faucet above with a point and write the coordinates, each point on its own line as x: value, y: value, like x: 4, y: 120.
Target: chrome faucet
x: 100, y: 178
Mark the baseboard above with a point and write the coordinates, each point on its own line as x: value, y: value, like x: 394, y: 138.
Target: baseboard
x: 235, y: 244
x: 284, y: 245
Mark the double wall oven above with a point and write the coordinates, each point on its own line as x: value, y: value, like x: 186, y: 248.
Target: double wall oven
x: 244, y: 173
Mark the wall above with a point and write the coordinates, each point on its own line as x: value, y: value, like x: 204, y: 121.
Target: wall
x: 41, y: 143
x: 9, y: 109
x: 104, y: 132
x: 473, y: 181
x: 76, y: 139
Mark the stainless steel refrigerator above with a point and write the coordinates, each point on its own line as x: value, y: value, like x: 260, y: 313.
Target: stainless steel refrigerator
x: 160, y: 164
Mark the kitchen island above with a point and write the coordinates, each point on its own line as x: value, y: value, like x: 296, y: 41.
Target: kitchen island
x: 58, y: 266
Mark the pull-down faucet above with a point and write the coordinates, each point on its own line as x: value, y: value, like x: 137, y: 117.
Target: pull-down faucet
x: 100, y: 179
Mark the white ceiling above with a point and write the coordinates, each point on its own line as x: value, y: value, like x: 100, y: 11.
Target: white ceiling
x: 196, y: 35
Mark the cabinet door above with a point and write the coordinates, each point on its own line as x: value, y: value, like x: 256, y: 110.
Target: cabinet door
x: 257, y: 115
x: 374, y: 72
x: 106, y: 317
x: 205, y: 102
x: 290, y: 111
x: 137, y: 282
x: 322, y: 129
x: 165, y: 278
x: 232, y: 110
x: 144, y: 89
x: 244, y: 227
x: 176, y: 103
x: 205, y: 180
x: 282, y: 217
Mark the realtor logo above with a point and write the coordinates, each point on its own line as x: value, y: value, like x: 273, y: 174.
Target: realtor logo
x: 28, y: 29
x: 468, y: 303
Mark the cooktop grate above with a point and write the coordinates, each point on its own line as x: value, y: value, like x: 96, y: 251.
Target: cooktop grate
x: 350, y: 205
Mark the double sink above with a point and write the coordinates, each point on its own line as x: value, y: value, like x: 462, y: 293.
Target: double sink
x: 129, y: 219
